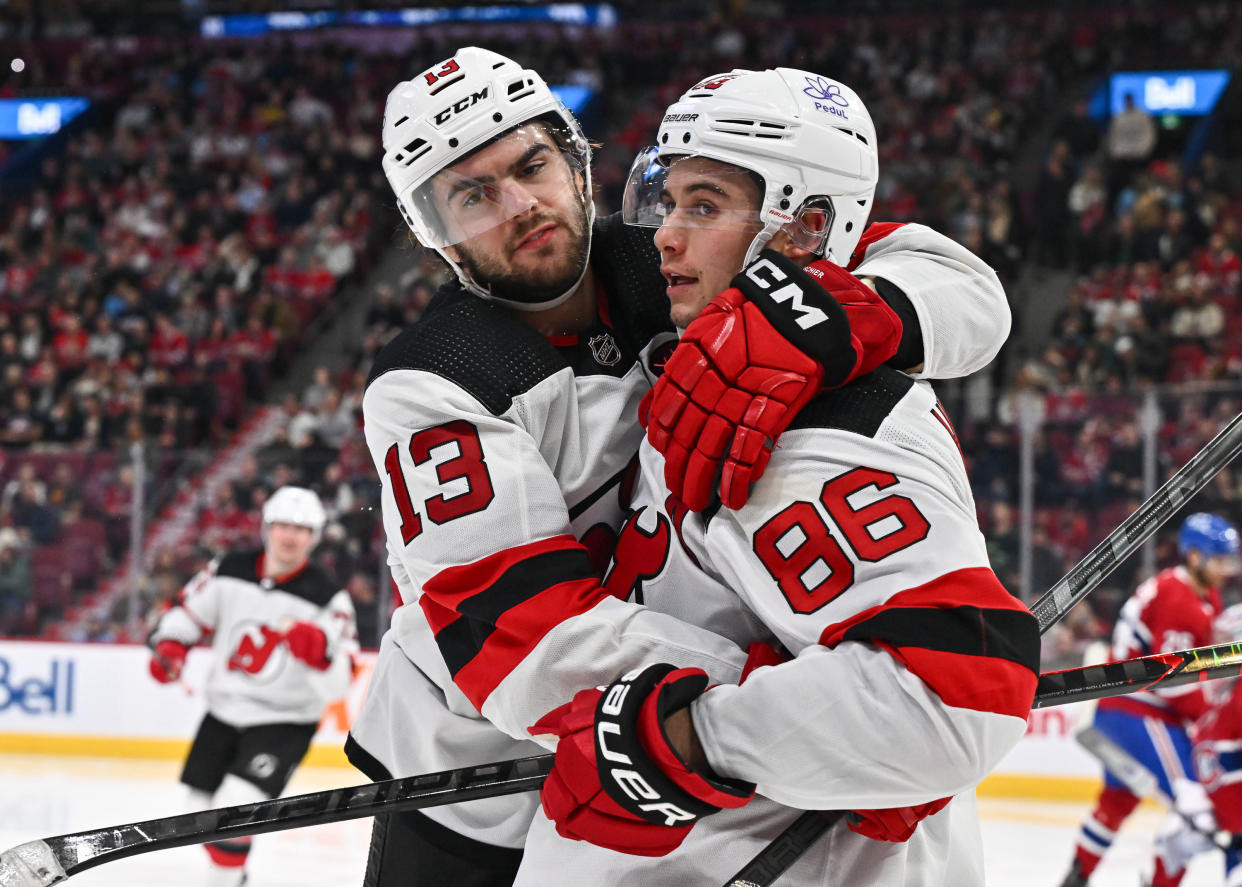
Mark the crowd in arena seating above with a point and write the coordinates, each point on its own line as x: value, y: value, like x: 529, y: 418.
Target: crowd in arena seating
x: 160, y: 271
x: 182, y: 246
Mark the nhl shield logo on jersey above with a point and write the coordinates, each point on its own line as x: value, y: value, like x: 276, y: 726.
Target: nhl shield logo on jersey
x: 605, y: 349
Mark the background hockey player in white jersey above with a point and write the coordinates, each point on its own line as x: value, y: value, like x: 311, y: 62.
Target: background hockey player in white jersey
x: 858, y: 551
x: 1173, y: 610
x: 502, y: 428
x: 283, y: 640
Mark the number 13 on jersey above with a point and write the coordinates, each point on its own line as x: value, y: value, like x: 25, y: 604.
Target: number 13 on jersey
x: 468, y: 465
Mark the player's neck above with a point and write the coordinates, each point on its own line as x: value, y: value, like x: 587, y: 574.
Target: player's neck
x: 274, y: 568
x: 574, y: 314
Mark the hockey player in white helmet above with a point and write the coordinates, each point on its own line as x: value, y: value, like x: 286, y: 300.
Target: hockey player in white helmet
x: 912, y: 669
x: 503, y: 422
x: 282, y: 640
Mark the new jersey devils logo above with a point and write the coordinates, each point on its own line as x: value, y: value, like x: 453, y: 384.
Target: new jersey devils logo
x: 257, y: 644
x: 640, y: 555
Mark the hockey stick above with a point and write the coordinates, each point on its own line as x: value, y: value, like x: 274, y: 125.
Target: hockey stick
x: 49, y: 861
x: 52, y: 860
x: 1134, y: 530
x: 1159, y: 670
x: 1050, y: 609
x: 1137, y: 779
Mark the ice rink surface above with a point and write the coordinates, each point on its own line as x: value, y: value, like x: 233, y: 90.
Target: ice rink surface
x: 1027, y: 843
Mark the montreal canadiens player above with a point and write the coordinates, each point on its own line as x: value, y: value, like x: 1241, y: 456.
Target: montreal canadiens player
x: 504, y: 423
x: 283, y: 640
x: 1218, y: 752
x: 1173, y: 610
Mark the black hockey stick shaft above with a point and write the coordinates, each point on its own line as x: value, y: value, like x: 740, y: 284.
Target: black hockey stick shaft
x: 1055, y: 688
x: 1134, y: 530
x: 74, y: 853
x: 1144, y: 673
x: 83, y: 850
x: 1050, y: 609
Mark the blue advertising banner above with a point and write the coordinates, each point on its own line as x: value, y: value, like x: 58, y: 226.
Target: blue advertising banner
x: 35, y: 118
x: 1180, y: 93
x: 599, y: 15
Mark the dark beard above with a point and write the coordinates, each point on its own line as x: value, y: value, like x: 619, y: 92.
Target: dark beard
x: 524, y: 287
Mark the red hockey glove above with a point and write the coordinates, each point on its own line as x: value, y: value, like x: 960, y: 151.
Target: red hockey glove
x: 750, y: 361
x: 168, y: 660
x: 617, y: 782
x: 306, y: 641
x: 895, y: 824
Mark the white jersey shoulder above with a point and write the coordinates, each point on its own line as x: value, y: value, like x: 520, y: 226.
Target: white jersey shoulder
x: 961, y: 305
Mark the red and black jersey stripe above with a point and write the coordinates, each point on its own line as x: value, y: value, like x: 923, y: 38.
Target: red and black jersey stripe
x: 963, y: 634
x: 487, y: 616
x: 873, y: 233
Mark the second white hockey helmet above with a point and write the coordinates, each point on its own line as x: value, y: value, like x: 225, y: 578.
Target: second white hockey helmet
x: 297, y: 506
x: 809, y: 140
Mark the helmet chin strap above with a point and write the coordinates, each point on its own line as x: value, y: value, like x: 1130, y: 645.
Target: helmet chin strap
x: 762, y: 239
x: 483, y: 292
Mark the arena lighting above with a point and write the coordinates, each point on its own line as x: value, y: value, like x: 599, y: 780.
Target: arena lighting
x: 599, y: 15
x: 1162, y: 93
x: 35, y: 118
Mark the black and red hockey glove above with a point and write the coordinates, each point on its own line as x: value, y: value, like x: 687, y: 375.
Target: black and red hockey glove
x: 745, y: 366
x: 617, y: 782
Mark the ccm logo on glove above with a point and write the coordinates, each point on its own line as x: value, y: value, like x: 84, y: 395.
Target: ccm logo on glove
x: 766, y: 274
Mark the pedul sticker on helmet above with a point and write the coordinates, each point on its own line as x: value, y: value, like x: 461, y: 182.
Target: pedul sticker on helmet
x: 809, y: 139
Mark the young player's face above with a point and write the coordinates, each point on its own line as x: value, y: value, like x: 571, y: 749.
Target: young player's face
x: 518, y: 216
x: 288, y: 546
x: 711, y: 215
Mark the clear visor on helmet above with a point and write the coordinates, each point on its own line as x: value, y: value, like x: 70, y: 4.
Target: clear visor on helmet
x: 525, y: 169
x: 690, y: 190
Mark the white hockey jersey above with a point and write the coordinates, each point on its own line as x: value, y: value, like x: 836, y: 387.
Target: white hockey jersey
x: 254, y: 679
x: 915, y: 669
x: 504, y: 457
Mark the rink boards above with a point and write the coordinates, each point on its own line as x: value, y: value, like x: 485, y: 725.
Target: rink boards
x: 100, y: 700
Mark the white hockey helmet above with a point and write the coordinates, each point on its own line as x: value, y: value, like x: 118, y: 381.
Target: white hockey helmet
x: 808, y: 138
x: 295, y: 505
x: 452, y: 109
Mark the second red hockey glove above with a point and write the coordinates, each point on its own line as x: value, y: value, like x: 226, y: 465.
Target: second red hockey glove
x: 617, y: 782
x: 750, y: 361
x: 167, y: 660
x: 306, y: 641
x: 895, y: 824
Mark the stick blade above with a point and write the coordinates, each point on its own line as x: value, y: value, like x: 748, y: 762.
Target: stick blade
x: 32, y: 864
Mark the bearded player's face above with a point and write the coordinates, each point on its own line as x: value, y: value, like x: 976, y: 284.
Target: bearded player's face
x: 524, y: 199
